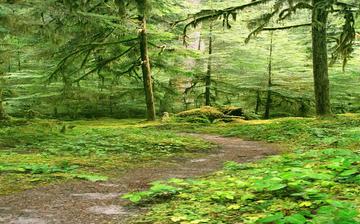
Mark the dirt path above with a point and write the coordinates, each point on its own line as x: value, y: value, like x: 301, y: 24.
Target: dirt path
x: 97, y: 203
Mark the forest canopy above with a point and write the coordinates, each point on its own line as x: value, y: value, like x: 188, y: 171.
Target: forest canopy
x: 73, y: 59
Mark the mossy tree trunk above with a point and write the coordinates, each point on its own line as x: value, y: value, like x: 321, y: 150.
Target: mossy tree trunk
x: 320, y: 58
x: 146, y: 71
x: 209, y: 71
x: 269, y: 91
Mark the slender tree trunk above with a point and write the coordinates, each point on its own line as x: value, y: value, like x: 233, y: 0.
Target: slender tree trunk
x: 209, y: 71
x: 9, y: 65
x: 269, y: 92
x: 146, y: 70
x: 320, y: 59
x: 111, y: 103
x: 199, y: 43
x: 2, y: 111
x: 258, y: 101
x: 19, y: 60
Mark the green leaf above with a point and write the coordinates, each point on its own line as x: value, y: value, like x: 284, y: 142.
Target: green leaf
x: 295, y: 219
x: 348, y: 172
x: 272, y: 218
x: 91, y: 177
x: 277, y: 186
x: 162, y: 188
x: 135, y: 197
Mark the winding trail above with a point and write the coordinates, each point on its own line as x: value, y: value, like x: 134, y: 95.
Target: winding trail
x: 81, y: 202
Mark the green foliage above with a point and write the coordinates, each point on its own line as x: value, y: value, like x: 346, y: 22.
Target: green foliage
x: 48, y: 138
x: 90, y: 177
x: 317, y: 182
x: 45, y: 151
x: 157, y: 189
x: 37, y: 168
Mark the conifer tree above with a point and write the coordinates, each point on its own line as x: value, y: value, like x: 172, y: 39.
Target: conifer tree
x: 284, y: 9
x: 116, y: 29
x: 143, y: 8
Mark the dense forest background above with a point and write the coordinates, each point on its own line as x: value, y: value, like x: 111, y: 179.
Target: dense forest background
x: 80, y: 59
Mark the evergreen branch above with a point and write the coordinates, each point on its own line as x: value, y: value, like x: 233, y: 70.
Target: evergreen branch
x: 345, y: 5
x: 61, y: 64
x: 344, y: 43
x: 265, y: 20
x: 130, y: 69
x: 104, y: 63
x: 179, y: 21
x: 285, y: 27
x: 161, y: 47
x: 138, y: 76
x: 347, y: 10
x: 85, y: 59
x: 206, y: 15
x: 289, y: 11
x: 193, y: 85
x: 84, y: 48
x: 108, y: 43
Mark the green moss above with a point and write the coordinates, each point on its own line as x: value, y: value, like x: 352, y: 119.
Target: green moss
x: 38, y: 152
x: 317, y: 181
x: 201, y: 115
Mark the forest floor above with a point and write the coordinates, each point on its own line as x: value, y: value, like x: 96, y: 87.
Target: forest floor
x: 100, y: 202
x: 80, y: 171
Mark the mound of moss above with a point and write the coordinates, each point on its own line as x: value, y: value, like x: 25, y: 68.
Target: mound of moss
x: 201, y: 115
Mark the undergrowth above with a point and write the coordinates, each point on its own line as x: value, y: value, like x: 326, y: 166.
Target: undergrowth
x: 317, y: 182
x: 38, y: 152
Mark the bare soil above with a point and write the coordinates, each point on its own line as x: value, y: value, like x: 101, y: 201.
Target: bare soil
x: 80, y: 202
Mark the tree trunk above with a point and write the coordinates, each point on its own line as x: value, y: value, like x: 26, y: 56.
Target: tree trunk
x: 208, y: 73
x: 19, y: 60
x: 320, y: 59
x: 258, y: 101
x: 2, y: 111
x: 269, y: 92
x: 146, y: 71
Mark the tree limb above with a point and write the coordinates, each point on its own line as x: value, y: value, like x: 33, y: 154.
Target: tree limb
x: 285, y: 27
x: 103, y: 63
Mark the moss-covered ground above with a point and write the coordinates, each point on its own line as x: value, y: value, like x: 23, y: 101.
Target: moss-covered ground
x: 39, y: 152
x: 316, y: 181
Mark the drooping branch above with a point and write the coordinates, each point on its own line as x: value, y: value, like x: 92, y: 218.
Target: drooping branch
x: 85, y: 49
x: 62, y: 63
x: 263, y: 20
x: 108, y: 43
x: 104, y: 63
x: 345, y: 42
x: 284, y: 14
x: 132, y: 68
x: 207, y: 15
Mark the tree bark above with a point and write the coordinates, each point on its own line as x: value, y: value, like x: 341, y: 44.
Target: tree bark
x: 258, y: 101
x: 146, y: 71
x: 269, y: 92
x: 2, y: 111
x: 19, y: 60
x: 320, y: 59
x: 209, y: 71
